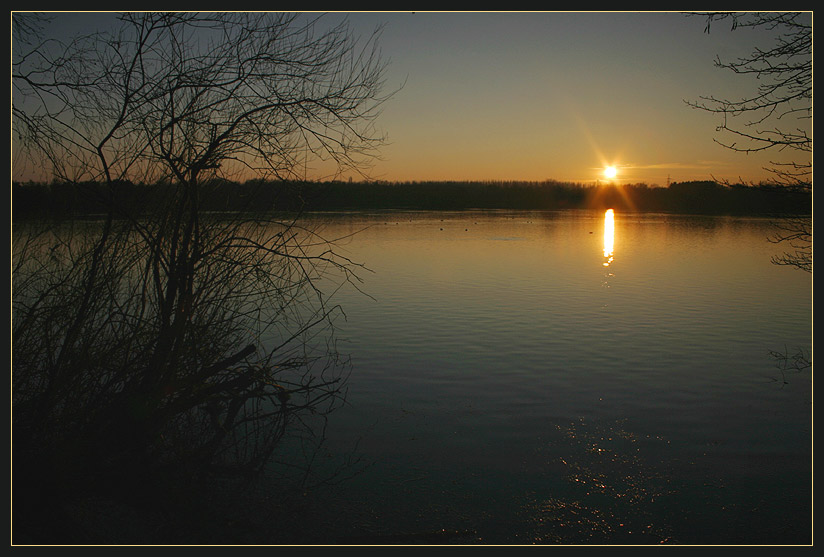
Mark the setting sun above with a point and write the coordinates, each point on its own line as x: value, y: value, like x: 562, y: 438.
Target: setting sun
x: 610, y: 172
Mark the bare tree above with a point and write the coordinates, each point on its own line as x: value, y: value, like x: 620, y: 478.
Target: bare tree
x: 160, y: 334
x: 777, y: 116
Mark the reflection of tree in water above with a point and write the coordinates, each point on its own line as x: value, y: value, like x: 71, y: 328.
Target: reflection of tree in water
x: 103, y: 434
x: 789, y: 363
x: 165, y: 347
x: 612, y: 491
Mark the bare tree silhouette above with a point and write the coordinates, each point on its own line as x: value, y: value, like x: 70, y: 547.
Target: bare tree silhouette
x: 777, y: 116
x: 161, y: 337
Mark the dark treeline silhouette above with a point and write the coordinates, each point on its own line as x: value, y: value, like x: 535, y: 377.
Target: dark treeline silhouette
x: 694, y: 197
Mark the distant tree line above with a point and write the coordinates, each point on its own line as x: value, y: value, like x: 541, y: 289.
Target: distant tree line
x: 693, y: 197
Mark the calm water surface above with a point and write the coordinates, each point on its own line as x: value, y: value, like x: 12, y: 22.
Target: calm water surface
x: 569, y: 378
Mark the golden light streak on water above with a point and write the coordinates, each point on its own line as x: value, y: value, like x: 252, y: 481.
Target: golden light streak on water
x: 609, y: 236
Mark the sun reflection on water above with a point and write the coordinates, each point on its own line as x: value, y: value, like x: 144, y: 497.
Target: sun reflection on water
x: 609, y: 236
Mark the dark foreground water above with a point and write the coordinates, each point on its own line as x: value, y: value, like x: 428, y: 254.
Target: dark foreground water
x: 559, y: 378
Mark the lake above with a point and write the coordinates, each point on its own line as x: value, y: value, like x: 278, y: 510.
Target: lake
x: 567, y: 378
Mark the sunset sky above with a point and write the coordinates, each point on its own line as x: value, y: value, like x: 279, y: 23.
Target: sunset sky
x: 533, y: 96
x: 556, y: 95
